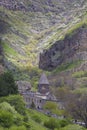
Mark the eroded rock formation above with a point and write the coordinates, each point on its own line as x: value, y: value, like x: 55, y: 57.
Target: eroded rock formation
x: 72, y: 48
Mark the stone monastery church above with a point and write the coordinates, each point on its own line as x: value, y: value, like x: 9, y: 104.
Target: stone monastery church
x: 38, y: 98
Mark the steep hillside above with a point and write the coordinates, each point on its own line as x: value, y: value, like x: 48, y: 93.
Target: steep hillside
x: 28, y: 27
x: 72, y: 49
x: 67, y: 60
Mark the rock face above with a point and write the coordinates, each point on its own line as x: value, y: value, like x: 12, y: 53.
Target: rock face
x: 13, y: 4
x: 41, y: 6
x: 72, y: 48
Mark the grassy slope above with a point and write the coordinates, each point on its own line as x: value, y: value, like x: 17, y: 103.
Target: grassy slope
x: 34, y: 124
x: 73, y: 127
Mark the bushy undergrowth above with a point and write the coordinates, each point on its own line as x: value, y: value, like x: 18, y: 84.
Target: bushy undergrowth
x: 72, y: 127
x: 11, y: 119
x: 54, y: 123
x: 36, y: 118
x: 80, y: 74
x: 51, y: 124
x: 67, y: 66
x: 16, y: 101
x: 9, y: 116
x: 6, y: 118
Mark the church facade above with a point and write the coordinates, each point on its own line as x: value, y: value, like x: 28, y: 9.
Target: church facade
x: 39, y: 98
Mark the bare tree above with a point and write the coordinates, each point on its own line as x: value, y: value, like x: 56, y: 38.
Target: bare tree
x: 78, y: 108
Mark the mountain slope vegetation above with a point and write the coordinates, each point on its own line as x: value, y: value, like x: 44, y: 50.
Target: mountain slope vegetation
x: 28, y: 27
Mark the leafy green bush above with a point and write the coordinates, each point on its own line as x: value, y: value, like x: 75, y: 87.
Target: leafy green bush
x: 16, y: 101
x: 18, y: 119
x: 26, y: 117
x: 72, y: 127
x: 18, y: 128
x: 36, y: 118
x: 9, y: 116
x: 54, y: 123
x: 6, y: 118
x: 51, y: 124
x: 27, y: 125
x: 50, y: 105
x: 7, y: 107
x: 63, y: 122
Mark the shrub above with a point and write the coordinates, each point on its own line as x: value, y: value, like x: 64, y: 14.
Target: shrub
x: 51, y: 124
x: 6, y: 118
x: 16, y: 101
x: 18, y: 128
x: 36, y: 118
x: 50, y: 105
x: 26, y: 118
x: 18, y: 120
x: 72, y: 127
x: 63, y: 122
x: 7, y: 107
x: 27, y: 125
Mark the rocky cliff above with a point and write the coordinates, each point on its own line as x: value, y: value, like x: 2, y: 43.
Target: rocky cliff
x: 71, y: 49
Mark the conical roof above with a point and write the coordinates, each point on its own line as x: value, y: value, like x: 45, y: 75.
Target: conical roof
x: 43, y: 79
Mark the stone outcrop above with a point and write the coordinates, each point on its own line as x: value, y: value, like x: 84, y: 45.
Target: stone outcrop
x: 40, y: 5
x: 13, y: 4
x: 72, y: 48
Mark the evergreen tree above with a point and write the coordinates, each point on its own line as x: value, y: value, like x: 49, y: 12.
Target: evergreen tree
x: 7, y: 84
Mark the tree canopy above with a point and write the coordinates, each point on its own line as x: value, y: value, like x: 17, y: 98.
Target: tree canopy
x: 7, y: 84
